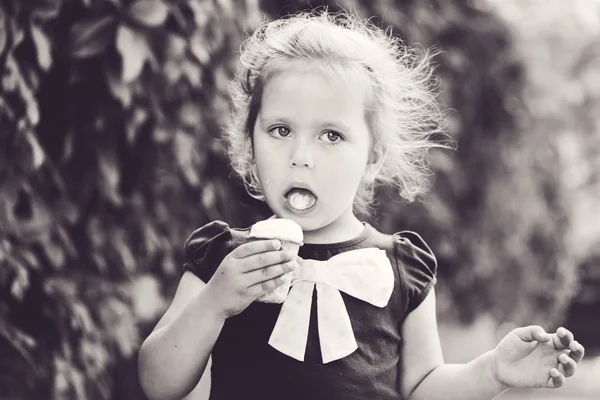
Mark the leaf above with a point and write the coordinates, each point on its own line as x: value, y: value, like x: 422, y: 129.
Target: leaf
x: 61, y: 381
x: 199, y: 48
x: 125, y: 255
x: 27, y: 257
x: 175, y: 46
x: 53, y: 251
x: 190, y: 115
x: 221, y: 78
x: 10, y: 77
x: 17, y: 32
x: 60, y: 288
x: 161, y: 135
x: 192, y: 72
x: 226, y: 7
x: 138, y: 117
x: 94, y: 357
x: 100, y: 262
x: 13, y: 79
x: 81, y: 319
x: 77, y: 379
x: 151, y: 13
x: 3, y: 28
x: 208, y: 196
x: 38, y: 154
x: 46, y: 10
x: 134, y: 52
x: 109, y: 172
x: 147, y: 300
x: 33, y: 112
x: 42, y: 46
x: 92, y: 37
x: 172, y: 71
x: 151, y: 239
x: 202, y: 10
x: 19, y: 340
x: 186, y: 155
x: 66, y: 241
x: 34, y: 218
x: 168, y: 266
x: 20, y: 282
x: 118, y: 89
x: 119, y: 324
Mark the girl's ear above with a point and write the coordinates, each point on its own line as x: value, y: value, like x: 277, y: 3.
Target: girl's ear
x: 375, y: 162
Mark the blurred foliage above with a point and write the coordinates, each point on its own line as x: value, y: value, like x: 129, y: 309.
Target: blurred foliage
x: 107, y: 117
x: 565, y: 101
x: 110, y: 112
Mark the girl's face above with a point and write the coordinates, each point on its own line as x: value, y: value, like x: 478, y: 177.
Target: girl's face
x: 311, y: 148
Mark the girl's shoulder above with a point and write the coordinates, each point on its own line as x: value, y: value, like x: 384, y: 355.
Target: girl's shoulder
x: 208, y: 245
x: 410, y: 245
x: 417, y: 266
x: 405, y: 245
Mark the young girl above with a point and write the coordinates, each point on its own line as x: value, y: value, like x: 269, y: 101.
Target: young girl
x: 326, y: 106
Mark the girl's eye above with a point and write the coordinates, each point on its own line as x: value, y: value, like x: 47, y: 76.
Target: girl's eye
x: 281, y: 131
x: 332, y: 137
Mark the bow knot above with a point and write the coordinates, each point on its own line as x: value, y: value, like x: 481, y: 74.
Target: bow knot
x: 365, y: 274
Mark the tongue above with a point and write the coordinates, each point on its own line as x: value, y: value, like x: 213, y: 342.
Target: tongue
x: 300, y: 199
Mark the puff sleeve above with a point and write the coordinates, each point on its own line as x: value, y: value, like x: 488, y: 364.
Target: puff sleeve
x: 417, y: 265
x: 206, y: 248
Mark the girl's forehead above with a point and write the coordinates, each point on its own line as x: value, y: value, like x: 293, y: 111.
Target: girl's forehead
x: 310, y: 93
x: 339, y: 84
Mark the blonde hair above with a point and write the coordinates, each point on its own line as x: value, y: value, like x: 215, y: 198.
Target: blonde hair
x: 404, y: 113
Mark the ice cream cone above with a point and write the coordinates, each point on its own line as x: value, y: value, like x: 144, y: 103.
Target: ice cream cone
x: 290, y: 235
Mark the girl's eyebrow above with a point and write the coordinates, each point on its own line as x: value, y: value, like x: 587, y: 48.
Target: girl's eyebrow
x: 337, y: 125
x: 265, y: 119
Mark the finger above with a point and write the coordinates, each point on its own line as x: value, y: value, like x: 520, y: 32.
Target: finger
x: 259, y: 261
x: 556, y: 379
x: 255, y: 247
x: 270, y: 272
x: 577, y: 351
x: 565, y: 336
x: 568, y: 365
x: 261, y: 288
x: 532, y: 333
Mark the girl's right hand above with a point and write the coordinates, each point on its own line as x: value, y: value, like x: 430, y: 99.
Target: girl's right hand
x: 249, y: 271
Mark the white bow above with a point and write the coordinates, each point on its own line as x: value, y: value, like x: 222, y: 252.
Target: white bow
x: 364, y: 273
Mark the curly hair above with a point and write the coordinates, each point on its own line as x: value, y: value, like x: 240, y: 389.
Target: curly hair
x: 404, y: 112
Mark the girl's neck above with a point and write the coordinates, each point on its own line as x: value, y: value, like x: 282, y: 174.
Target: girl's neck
x: 346, y: 227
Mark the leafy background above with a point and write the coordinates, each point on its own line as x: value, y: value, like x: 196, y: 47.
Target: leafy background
x: 110, y: 113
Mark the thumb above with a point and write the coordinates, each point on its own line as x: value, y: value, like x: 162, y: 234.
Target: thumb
x: 532, y: 333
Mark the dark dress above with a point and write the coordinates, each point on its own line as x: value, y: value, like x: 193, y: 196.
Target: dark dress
x: 245, y: 366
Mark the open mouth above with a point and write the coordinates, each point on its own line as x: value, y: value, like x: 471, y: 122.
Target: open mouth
x: 300, y: 199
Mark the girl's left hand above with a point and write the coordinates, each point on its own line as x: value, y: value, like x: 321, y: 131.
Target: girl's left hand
x: 529, y: 357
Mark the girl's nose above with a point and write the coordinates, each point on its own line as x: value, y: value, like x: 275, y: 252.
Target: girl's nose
x: 302, y: 155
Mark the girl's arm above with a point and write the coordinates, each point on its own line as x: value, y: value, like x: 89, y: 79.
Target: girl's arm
x: 171, y: 360
x: 174, y: 356
x: 527, y: 357
x: 424, y: 375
